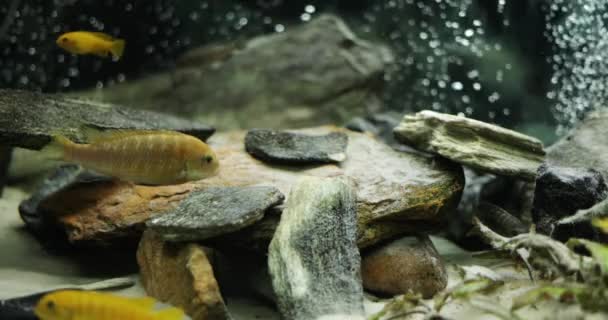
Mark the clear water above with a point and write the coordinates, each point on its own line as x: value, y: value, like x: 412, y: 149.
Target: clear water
x: 515, y: 63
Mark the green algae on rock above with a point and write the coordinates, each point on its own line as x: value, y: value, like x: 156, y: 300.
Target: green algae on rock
x: 28, y: 119
x: 477, y: 144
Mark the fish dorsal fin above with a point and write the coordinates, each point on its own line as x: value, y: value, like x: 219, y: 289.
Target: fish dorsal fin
x: 94, y: 135
x: 144, y: 302
x: 170, y: 314
x: 103, y: 36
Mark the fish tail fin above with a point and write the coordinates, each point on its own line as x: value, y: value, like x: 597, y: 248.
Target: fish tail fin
x: 118, y: 47
x: 55, y: 149
x: 170, y: 314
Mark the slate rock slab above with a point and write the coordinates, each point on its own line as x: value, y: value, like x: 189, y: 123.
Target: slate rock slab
x: 296, y: 148
x: 28, y: 119
x: 477, y: 144
x: 313, y: 258
x: 214, y: 211
x: 409, y: 264
x: 560, y: 192
x: 181, y: 275
x: 397, y: 192
x: 314, y: 73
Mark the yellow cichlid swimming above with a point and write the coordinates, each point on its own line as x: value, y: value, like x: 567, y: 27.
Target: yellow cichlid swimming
x: 97, y: 43
x: 140, y: 156
x: 90, y: 305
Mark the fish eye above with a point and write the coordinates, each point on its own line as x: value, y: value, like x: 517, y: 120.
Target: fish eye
x: 208, y: 159
x: 51, y: 305
x: 64, y: 39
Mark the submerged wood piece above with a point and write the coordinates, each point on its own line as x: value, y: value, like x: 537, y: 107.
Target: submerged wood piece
x: 313, y: 258
x: 397, y: 192
x: 181, y: 275
x: 477, y: 144
x: 29, y: 119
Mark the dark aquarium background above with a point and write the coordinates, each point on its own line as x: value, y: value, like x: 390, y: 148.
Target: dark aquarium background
x: 490, y: 60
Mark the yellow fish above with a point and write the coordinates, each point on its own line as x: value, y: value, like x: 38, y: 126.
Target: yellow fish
x: 140, y: 156
x: 97, y: 43
x: 90, y: 305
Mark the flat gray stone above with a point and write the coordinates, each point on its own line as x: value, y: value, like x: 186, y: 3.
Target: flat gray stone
x: 215, y: 211
x: 477, y: 144
x: 296, y: 148
x: 313, y: 257
x: 29, y: 119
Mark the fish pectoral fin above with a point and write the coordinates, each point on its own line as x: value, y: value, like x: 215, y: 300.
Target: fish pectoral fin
x: 145, y: 302
x: 171, y: 313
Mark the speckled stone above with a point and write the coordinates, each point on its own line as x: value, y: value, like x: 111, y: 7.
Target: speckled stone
x: 214, y: 211
x: 313, y: 258
x: 410, y: 264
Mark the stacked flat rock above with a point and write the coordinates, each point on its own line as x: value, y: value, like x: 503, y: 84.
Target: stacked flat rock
x: 397, y: 193
x: 477, y: 144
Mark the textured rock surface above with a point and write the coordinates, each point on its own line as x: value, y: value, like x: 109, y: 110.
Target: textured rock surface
x: 5, y: 161
x: 586, y: 146
x: 313, y: 258
x: 561, y: 192
x: 410, y: 264
x: 36, y: 218
x: 29, y: 119
x: 397, y: 192
x: 214, y: 211
x: 316, y: 73
x: 180, y: 275
x: 296, y: 148
x: 474, y: 143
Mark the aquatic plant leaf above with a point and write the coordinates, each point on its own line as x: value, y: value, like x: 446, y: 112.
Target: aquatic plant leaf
x: 466, y: 289
x: 601, y: 223
x: 598, y: 251
x: 590, y: 297
x: 537, y: 294
x: 483, y: 285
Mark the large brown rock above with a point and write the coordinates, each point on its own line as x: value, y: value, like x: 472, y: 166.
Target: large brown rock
x: 397, y: 192
x: 181, y: 275
x: 410, y: 264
